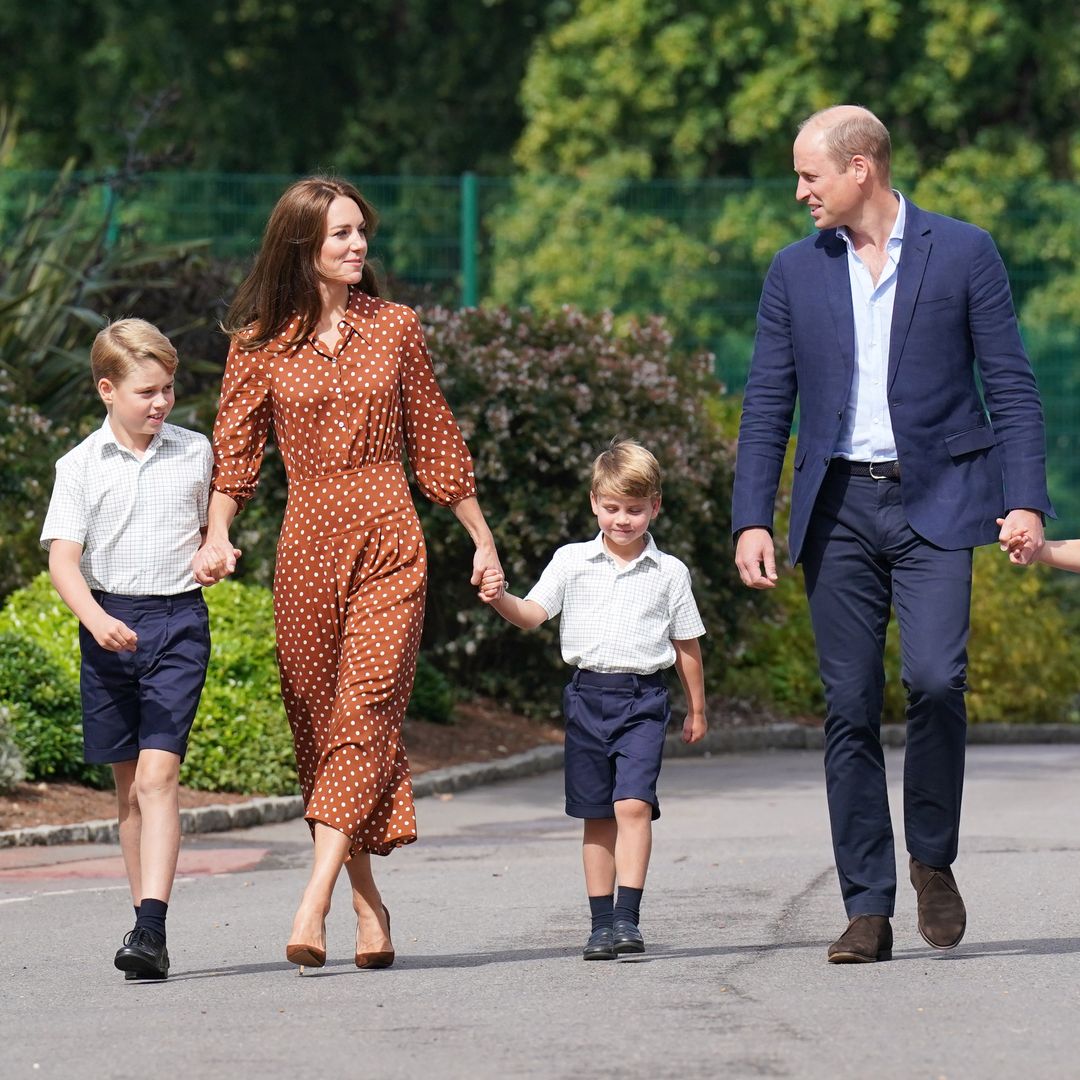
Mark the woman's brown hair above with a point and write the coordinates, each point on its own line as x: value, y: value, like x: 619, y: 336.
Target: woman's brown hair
x: 284, y: 279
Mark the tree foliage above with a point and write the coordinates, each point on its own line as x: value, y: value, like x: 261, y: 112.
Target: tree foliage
x: 386, y: 86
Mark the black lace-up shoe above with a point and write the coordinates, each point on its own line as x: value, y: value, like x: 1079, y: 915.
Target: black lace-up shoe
x: 144, y: 955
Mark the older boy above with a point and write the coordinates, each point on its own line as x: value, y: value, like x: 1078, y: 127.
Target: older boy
x: 627, y: 613
x: 126, y: 517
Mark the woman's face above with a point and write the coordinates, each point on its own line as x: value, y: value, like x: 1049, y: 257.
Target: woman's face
x: 344, y: 248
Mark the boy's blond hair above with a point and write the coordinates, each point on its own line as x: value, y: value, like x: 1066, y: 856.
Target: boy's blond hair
x: 628, y: 470
x: 125, y: 343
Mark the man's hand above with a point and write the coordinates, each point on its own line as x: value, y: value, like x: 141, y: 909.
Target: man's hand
x: 755, y: 557
x: 1021, y: 536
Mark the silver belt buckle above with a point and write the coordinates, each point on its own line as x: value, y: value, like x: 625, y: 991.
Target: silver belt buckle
x: 873, y: 475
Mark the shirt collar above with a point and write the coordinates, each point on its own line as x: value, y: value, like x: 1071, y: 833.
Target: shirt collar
x: 594, y: 549
x: 108, y: 438
x: 896, y: 236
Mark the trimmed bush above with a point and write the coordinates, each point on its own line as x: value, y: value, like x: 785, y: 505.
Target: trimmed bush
x: 537, y: 398
x: 11, y: 766
x: 240, y: 741
x: 43, y: 709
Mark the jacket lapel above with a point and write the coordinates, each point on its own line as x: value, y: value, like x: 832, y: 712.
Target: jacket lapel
x: 909, y: 276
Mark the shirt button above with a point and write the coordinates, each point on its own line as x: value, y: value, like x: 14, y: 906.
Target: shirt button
x: 876, y: 420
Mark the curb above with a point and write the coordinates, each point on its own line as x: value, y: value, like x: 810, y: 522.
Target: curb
x: 221, y: 818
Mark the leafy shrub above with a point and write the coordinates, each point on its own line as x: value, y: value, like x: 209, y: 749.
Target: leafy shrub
x: 537, y: 398
x: 43, y: 708
x: 11, y: 766
x: 240, y: 741
x: 432, y: 697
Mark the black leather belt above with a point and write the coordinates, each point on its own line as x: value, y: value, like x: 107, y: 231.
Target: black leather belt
x: 879, y: 470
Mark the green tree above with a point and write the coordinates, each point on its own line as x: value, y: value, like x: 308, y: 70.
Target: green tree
x: 387, y: 86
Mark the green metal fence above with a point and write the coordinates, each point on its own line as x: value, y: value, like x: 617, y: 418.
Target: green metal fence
x: 444, y: 237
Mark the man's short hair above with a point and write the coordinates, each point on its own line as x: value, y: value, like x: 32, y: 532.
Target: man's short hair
x: 853, y: 133
x: 127, y: 342
x: 627, y: 470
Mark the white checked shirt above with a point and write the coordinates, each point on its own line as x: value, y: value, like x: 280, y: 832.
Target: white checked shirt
x: 138, y: 519
x: 618, y: 618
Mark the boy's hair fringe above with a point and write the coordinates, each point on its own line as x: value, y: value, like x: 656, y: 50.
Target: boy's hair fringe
x: 626, y: 469
x: 125, y: 343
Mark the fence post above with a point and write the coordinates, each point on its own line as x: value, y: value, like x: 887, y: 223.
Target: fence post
x: 470, y: 222
x: 112, y: 226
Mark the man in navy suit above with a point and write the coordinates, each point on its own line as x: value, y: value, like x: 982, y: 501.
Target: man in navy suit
x: 878, y: 325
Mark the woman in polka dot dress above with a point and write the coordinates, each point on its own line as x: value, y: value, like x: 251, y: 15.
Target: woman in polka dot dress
x: 345, y: 379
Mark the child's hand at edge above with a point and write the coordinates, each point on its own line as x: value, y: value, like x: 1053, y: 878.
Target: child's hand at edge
x: 492, y: 586
x: 1018, y: 544
x: 694, y: 727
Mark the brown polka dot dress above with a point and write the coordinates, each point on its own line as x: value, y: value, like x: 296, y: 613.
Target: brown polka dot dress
x: 351, y: 571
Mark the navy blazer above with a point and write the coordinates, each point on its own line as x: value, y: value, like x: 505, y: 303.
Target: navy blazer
x: 952, y: 315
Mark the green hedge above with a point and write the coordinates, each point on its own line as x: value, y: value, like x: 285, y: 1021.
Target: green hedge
x: 240, y: 741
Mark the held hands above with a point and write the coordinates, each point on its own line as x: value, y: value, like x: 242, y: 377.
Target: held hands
x: 214, y: 561
x: 755, y: 557
x: 488, y: 575
x: 1021, y: 536
x: 694, y: 727
x: 492, y: 585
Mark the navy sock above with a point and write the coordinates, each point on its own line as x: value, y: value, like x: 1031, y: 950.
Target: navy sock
x: 602, y: 908
x: 152, y: 916
x: 628, y: 906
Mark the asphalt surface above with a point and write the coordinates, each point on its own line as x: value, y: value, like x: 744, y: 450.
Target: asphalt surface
x: 489, y: 917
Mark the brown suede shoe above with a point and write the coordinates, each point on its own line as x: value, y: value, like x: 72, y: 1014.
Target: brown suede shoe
x: 942, y: 916
x: 867, y: 939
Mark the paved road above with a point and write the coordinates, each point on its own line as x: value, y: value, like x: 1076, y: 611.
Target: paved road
x: 488, y: 920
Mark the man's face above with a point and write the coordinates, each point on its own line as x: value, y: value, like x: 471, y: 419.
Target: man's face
x: 831, y: 196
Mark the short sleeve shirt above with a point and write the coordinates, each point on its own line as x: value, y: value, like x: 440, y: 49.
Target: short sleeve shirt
x: 139, y: 520
x: 618, y: 618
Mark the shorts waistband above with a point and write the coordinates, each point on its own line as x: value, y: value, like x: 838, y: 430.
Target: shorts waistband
x: 149, y: 603
x: 617, y: 679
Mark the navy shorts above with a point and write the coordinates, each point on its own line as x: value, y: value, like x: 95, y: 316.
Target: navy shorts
x: 144, y: 700
x: 615, y: 727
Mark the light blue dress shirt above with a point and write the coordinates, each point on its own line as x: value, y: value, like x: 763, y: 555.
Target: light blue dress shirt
x: 866, y: 433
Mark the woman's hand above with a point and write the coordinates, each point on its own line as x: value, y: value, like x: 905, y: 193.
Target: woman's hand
x: 487, y: 573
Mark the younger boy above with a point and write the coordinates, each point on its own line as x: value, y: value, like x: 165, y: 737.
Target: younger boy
x: 125, y: 519
x: 627, y: 613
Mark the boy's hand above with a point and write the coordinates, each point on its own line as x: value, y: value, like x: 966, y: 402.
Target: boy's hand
x: 694, y: 727
x: 112, y: 634
x: 492, y: 585
x: 213, y: 562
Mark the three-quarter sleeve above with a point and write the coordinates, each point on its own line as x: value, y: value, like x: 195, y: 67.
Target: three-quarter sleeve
x: 242, y: 423
x: 440, y: 460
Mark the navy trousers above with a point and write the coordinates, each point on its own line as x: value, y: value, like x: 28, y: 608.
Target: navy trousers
x: 861, y: 556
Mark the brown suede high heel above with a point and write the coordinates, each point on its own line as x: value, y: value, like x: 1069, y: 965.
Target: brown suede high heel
x: 377, y: 959
x: 306, y: 955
